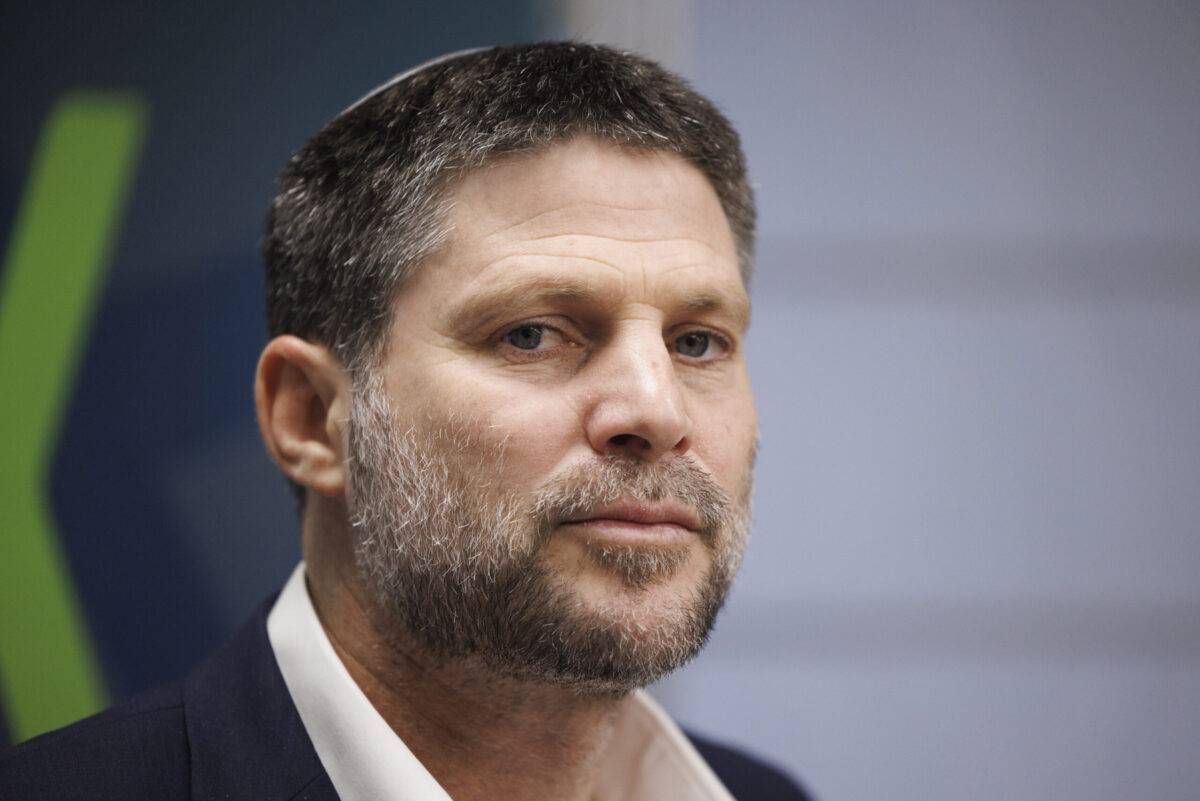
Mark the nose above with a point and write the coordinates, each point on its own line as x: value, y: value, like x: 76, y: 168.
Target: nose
x: 638, y: 408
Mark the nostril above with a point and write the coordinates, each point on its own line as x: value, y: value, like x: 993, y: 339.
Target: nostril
x: 627, y: 440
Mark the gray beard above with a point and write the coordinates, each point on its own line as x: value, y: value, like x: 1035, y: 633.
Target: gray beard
x: 457, y: 561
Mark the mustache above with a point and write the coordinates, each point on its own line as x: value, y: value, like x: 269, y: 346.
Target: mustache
x: 585, y: 488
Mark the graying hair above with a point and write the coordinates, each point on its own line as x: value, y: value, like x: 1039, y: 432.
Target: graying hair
x: 363, y: 203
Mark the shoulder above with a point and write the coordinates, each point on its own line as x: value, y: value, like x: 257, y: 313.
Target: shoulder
x: 745, y: 776
x: 134, y: 750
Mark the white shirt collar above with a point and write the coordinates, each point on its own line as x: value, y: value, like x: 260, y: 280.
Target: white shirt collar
x: 650, y: 758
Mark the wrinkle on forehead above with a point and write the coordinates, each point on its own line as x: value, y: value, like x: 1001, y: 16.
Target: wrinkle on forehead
x: 540, y: 216
x: 570, y: 238
x: 635, y: 229
x: 577, y: 187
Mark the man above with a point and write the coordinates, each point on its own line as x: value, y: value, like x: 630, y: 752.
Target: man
x: 507, y: 296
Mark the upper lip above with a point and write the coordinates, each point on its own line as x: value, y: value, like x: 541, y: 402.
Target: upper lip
x: 644, y: 512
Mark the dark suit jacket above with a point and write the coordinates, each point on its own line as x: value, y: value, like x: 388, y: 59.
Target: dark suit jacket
x: 230, y: 731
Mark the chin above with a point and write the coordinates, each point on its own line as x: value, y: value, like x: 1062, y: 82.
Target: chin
x: 609, y: 632
x: 648, y: 579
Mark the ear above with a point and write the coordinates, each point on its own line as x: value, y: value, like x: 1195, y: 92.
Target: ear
x: 302, y: 397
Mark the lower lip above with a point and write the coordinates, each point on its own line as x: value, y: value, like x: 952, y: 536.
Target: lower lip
x: 625, y: 532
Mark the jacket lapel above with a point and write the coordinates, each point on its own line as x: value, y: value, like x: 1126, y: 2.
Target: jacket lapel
x: 247, y: 740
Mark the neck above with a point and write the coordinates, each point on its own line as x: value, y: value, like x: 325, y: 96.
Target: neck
x: 480, y: 735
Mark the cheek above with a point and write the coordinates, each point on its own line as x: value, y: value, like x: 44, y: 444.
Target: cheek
x: 537, y: 429
x: 539, y: 433
x: 724, y: 439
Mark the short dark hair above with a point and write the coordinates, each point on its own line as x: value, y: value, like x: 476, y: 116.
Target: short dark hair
x: 362, y: 203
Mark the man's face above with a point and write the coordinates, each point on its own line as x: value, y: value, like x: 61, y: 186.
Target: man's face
x: 551, y: 470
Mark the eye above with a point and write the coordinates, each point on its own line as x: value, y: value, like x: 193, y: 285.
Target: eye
x: 534, y: 340
x: 700, y: 345
x: 525, y: 337
x: 694, y: 344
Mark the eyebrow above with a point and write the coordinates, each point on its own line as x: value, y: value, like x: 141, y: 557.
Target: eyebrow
x: 709, y: 303
x: 488, y: 307
x: 497, y: 302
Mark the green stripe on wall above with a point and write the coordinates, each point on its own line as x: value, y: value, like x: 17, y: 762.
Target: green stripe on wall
x: 54, y: 269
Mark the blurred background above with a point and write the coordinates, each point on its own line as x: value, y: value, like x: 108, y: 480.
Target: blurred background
x: 976, y: 347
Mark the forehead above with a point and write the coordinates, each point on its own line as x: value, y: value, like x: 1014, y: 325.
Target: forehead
x: 597, y: 211
x: 643, y: 190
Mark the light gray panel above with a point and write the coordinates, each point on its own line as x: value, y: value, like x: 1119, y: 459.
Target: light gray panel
x: 1045, y: 450
x: 873, y: 116
x: 912, y: 732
